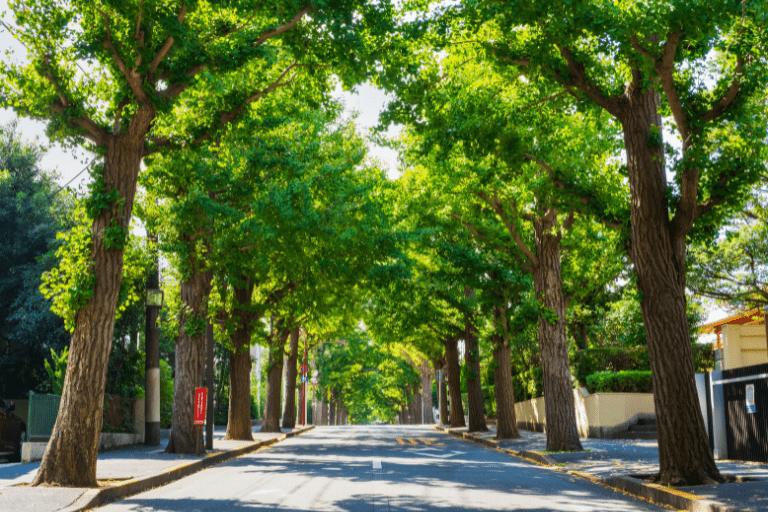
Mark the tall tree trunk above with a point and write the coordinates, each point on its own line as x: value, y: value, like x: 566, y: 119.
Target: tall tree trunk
x: 426, y: 374
x: 271, y: 422
x: 332, y: 409
x: 454, y: 382
x: 506, y: 420
x: 442, y: 398
x: 186, y: 438
x: 340, y: 413
x: 70, y: 457
x: 289, y: 410
x: 658, y: 254
x: 560, y: 409
x: 414, y: 408
x: 405, y: 418
x: 475, y: 400
x: 324, y: 413
x: 239, y: 417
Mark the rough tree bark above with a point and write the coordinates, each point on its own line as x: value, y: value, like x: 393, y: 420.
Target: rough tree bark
x: 442, y: 399
x: 454, y: 382
x: 414, y: 408
x: 475, y: 400
x: 332, y: 409
x: 426, y: 375
x: 560, y: 409
x: 658, y: 253
x: 239, y: 422
x: 506, y: 420
x: 70, y: 457
x: 189, y: 369
x: 289, y: 410
x: 277, y: 337
x: 339, y: 413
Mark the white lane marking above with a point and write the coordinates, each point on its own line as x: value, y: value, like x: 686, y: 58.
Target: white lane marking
x: 440, y: 455
x: 376, y: 464
x: 264, y: 492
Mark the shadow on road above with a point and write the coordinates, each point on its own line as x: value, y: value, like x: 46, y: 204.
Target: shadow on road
x: 332, y: 470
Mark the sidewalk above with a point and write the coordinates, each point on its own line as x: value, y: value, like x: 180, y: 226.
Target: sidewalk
x: 121, y: 473
x: 611, y: 462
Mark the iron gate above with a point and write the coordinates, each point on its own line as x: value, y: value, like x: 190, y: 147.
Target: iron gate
x: 746, y: 433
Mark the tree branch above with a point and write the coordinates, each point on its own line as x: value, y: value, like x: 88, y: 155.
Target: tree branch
x: 585, y: 199
x: 131, y: 77
x: 476, y: 233
x: 227, y: 117
x: 577, y: 78
x: 495, y: 204
x: 665, y: 68
x: 92, y: 130
x: 163, y: 51
x: 279, y: 30
x: 730, y: 95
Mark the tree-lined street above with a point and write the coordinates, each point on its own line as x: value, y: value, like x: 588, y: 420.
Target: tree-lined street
x: 578, y: 186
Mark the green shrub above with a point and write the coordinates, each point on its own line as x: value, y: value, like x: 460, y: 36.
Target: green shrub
x: 166, y: 394
x: 609, y: 359
x: 628, y: 381
x: 58, y: 371
x: 489, y: 400
x: 528, y: 384
x: 254, y: 407
x: 703, y: 357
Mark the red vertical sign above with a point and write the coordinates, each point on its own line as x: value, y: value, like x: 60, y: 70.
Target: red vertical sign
x: 201, y: 395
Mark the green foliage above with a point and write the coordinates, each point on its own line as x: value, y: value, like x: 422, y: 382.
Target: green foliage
x: 125, y: 371
x: 733, y: 270
x: 70, y: 284
x: 703, y: 357
x: 58, y: 372
x: 373, y: 380
x: 100, y: 199
x: 608, y: 359
x: 31, y: 212
x: 166, y: 394
x: 118, y: 419
x: 626, y: 381
x: 528, y: 384
x: 254, y: 407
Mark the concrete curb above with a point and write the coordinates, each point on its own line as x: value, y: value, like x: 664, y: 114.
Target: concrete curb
x: 674, y: 498
x: 97, y: 497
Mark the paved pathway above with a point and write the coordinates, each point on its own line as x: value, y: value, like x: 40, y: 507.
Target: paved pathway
x: 613, y: 457
x: 379, y: 468
x: 131, y: 462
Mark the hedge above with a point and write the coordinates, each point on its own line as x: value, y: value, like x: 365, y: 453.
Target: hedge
x: 618, y: 359
x: 628, y: 381
x: 609, y: 359
x: 528, y: 384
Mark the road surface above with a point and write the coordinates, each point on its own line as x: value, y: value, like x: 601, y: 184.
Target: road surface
x: 379, y: 468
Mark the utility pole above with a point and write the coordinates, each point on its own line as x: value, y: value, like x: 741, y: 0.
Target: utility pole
x: 209, y: 384
x: 765, y: 320
x: 304, y: 385
x: 152, y: 353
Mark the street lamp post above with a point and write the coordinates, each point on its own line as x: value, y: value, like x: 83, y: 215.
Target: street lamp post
x: 152, y: 361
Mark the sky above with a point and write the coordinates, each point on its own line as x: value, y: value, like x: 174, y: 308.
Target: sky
x: 367, y: 102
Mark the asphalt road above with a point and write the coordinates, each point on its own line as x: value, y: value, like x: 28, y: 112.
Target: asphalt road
x: 372, y: 469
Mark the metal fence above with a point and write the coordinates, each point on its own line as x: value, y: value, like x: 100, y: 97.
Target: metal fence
x: 43, y: 410
x: 745, y: 393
